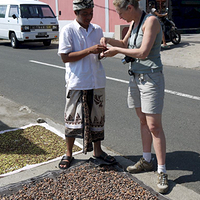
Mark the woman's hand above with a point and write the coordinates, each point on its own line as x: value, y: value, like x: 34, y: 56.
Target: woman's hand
x: 110, y: 52
x: 104, y: 41
x: 101, y: 55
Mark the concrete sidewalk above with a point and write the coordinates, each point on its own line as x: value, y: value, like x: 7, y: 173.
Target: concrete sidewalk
x: 12, y: 115
x: 184, y: 55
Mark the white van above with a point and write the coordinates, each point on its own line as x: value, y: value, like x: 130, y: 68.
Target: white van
x: 27, y: 20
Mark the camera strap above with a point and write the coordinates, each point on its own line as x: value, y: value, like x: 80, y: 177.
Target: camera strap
x: 138, y: 28
x: 130, y: 72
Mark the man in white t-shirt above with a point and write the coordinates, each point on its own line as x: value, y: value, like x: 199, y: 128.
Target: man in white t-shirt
x: 81, y: 52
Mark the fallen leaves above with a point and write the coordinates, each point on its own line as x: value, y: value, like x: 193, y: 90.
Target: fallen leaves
x: 29, y: 146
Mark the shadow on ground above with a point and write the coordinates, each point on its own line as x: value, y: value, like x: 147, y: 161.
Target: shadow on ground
x: 4, y: 126
x: 183, y: 168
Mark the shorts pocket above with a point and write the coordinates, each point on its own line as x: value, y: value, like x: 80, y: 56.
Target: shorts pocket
x: 152, y: 78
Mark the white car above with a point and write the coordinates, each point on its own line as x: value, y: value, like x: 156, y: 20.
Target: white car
x: 27, y: 20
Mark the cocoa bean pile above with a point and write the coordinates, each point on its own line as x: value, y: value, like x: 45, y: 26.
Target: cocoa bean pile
x: 84, y: 182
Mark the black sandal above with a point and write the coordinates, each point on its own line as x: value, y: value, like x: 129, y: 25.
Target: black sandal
x: 66, y: 160
x: 107, y: 158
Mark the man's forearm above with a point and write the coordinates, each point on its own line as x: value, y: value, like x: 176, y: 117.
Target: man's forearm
x: 75, y: 56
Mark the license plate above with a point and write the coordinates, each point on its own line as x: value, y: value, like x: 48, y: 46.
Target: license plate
x: 42, y: 34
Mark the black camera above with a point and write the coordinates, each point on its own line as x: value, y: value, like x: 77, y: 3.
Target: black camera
x: 127, y: 59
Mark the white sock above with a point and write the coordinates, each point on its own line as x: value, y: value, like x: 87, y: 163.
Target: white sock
x: 147, y: 156
x: 161, y: 168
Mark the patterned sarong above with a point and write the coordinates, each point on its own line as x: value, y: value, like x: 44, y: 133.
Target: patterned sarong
x: 85, y: 116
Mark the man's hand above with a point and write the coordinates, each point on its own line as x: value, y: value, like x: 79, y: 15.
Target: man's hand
x: 75, y: 56
x: 96, y: 49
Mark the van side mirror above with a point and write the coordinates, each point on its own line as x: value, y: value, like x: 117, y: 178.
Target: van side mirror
x: 14, y: 16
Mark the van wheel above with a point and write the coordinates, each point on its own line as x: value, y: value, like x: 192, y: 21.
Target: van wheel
x: 47, y: 42
x: 14, y: 41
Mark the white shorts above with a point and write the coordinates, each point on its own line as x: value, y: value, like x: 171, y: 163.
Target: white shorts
x: 147, y: 91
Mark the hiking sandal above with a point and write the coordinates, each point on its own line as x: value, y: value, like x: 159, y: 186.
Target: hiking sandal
x: 66, y: 160
x: 107, y: 158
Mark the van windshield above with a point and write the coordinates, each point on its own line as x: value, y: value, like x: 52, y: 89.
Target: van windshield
x: 36, y: 11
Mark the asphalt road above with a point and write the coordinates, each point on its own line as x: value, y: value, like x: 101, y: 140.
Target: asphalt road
x: 33, y: 75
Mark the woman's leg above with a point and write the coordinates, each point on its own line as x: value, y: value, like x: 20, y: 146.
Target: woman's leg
x: 154, y: 122
x: 145, y: 132
x: 145, y: 163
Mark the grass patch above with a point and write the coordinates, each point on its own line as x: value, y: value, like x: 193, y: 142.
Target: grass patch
x: 29, y: 146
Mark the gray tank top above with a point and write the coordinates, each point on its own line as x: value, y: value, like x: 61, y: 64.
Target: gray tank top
x: 152, y: 63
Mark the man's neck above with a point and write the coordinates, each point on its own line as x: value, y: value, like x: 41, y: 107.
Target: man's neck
x: 84, y: 26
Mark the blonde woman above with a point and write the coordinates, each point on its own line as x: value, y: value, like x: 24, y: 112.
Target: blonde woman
x: 146, y: 86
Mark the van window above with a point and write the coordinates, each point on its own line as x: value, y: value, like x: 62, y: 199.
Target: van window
x: 36, y: 11
x: 3, y: 11
x: 13, y: 10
